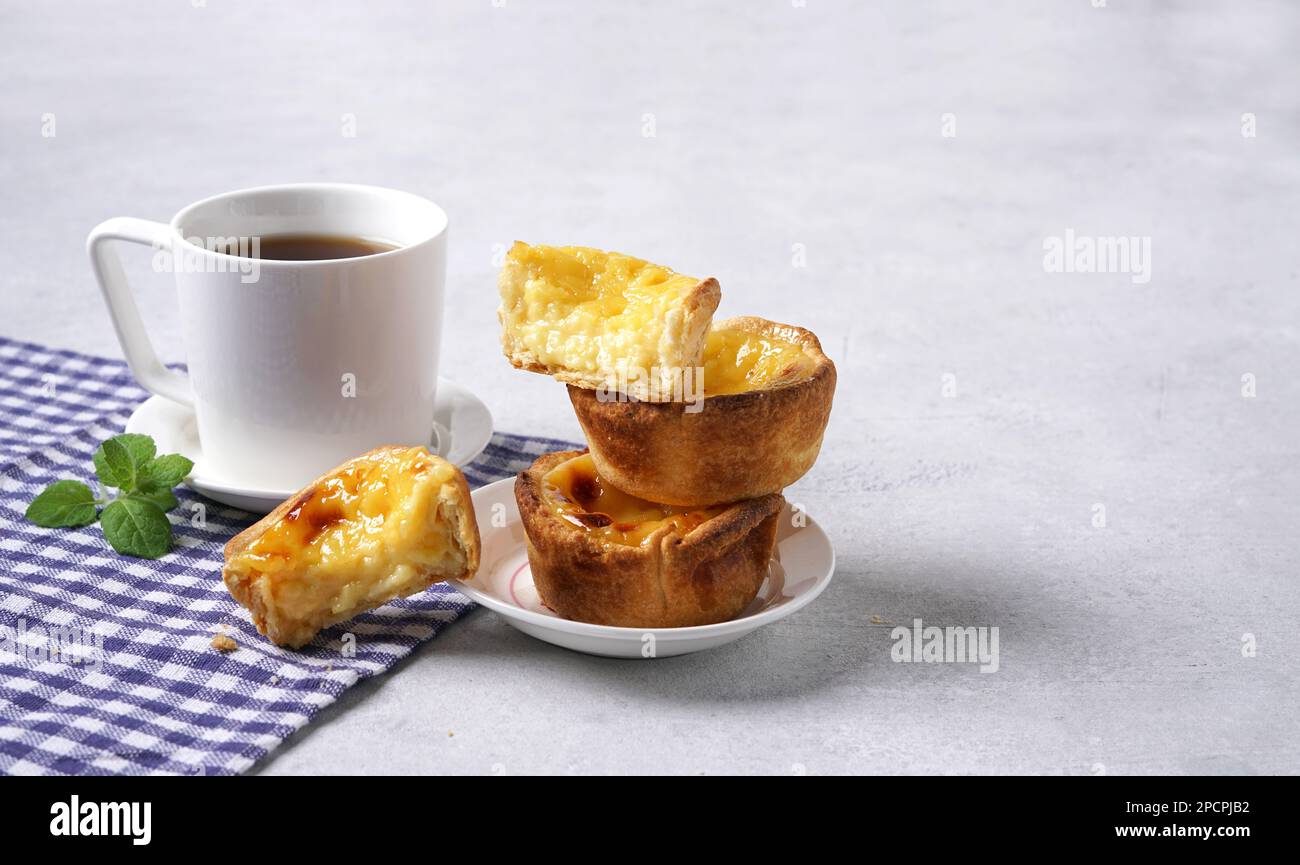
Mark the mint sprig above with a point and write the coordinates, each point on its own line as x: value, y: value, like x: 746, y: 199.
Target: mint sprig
x: 135, y: 519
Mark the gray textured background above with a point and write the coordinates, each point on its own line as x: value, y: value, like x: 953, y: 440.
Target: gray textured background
x: 779, y: 125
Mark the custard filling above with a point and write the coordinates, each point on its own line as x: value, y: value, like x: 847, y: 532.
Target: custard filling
x: 579, y: 496
x: 736, y: 361
x: 359, y: 538
x: 589, y: 310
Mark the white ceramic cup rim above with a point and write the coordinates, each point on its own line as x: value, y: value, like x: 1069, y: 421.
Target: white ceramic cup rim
x: 439, y: 220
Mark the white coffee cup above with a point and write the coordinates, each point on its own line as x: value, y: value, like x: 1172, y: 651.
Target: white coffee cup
x: 294, y: 366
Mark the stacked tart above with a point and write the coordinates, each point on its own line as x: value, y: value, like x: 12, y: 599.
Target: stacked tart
x: 693, y: 428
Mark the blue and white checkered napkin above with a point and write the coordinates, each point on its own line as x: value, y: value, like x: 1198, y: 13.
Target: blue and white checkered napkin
x: 154, y: 696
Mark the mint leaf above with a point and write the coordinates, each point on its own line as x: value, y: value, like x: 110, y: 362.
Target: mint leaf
x: 164, y: 499
x: 141, y: 447
x: 165, y: 472
x: 63, y: 504
x: 113, y: 465
x: 119, y: 460
x: 137, y: 528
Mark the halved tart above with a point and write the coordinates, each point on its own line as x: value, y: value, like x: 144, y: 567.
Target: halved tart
x: 384, y: 525
x: 604, y: 320
x: 767, y: 391
x: 602, y: 556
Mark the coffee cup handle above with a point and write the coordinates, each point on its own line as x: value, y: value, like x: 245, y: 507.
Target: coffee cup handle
x: 122, y: 308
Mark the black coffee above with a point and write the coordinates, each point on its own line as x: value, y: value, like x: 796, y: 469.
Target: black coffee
x: 308, y: 247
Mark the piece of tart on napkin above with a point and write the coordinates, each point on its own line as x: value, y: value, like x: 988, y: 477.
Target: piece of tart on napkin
x: 384, y: 525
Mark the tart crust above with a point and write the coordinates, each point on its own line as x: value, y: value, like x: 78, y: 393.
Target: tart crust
x: 295, y: 625
x: 671, y: 580
x: 736, y: 446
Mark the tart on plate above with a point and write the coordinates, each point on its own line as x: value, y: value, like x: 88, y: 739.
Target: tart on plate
x: 602, y: 556
x: 603, y: 320
x: 767, y: 391
x: 383, y: 525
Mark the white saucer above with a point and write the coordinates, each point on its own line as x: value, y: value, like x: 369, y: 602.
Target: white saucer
x: 462, y: 428
x: 801, y: 567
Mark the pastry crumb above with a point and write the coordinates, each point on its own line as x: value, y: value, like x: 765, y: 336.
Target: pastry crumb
x: 222, y: 643
x: 450, y: 734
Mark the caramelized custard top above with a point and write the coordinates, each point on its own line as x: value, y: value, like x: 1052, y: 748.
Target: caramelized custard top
x: 348, y: 514
x: 579, y: 496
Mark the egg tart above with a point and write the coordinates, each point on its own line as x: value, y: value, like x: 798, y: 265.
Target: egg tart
x: 605, y: 320
x: 756, y: 428
x: 381, y: 526
x: 602, y: 556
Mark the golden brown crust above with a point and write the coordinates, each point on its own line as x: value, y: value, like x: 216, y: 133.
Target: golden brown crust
x: 255, y: 594
x: 461, y: 505
x: 708, y: 575
x: 737, y: 446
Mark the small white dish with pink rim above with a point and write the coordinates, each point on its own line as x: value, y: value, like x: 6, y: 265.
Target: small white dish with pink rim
x: 801, y: 567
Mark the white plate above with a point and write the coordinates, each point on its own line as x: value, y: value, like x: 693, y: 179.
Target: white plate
x: 462, y: 428
x: 801, y: 567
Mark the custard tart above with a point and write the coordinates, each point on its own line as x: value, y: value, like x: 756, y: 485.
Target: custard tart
x: 756, y: 429
x: 602, y: 556
x: 381, y: 526
x: 603, y: 320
